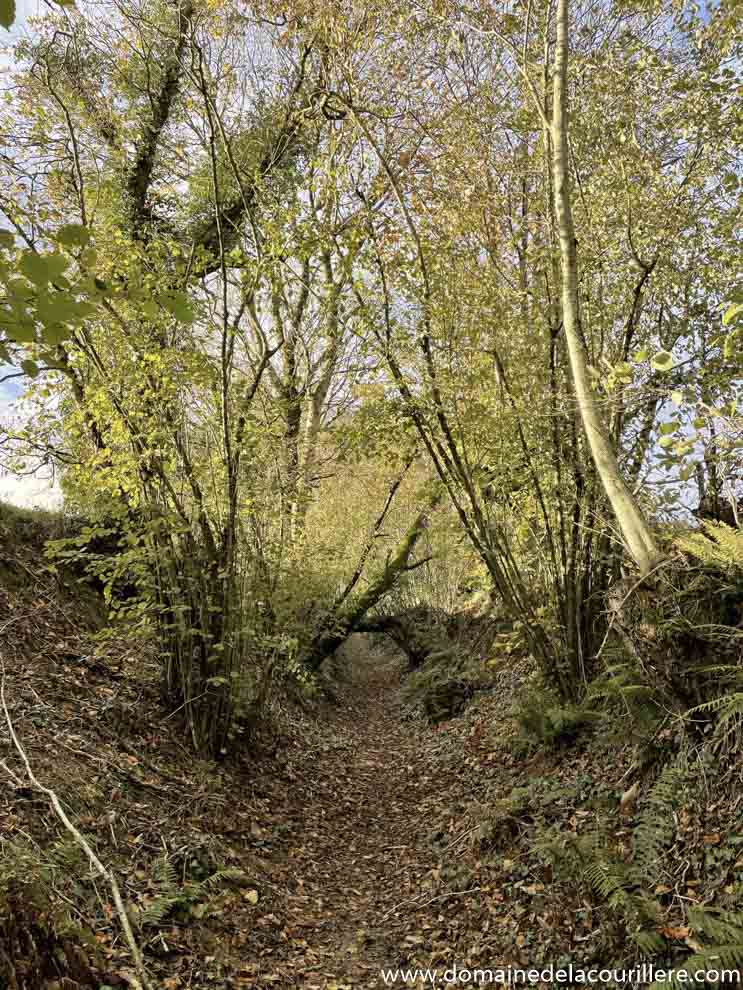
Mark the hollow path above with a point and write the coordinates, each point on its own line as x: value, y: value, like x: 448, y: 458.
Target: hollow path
x: 358, y: 865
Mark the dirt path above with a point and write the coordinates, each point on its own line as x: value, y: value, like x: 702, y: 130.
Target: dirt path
x: 330, y: 830
x: 358, y: 855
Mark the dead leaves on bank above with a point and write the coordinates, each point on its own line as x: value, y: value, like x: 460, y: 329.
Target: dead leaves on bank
x: 361, y: 842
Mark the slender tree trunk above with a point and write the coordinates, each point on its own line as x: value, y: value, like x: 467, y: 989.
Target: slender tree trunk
x: 632, y: 524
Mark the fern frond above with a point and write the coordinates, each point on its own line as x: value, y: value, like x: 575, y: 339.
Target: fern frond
x: 656, y: 827
x: 158, y: 909
x: 717, y: 924
x: 650, y: 943
x: 608, y: 880
x: 729, y: 540
x: 717, y: 958
x: 166, y: 875
x: 230, y: 873
x: 718, y: 546
x: 729, y: 711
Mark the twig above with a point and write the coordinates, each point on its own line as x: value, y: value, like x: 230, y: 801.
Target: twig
x: 100, y: 869
x: 438, y: 897
x: 17, y: 780
x: 460, y: 837
x: 188, y: 701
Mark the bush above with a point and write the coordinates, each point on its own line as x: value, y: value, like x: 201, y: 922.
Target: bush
x: 441, y: 688
x: 544, y: 721
x: 33, y: 527
x: 632, y: 882
x: 39, y: 941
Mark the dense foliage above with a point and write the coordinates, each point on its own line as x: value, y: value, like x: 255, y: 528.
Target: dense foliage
x: 312, y: 295
x: 420, y: 320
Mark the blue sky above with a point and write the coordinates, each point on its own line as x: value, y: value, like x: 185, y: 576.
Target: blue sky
x: 23, y: 10
x: 8, y: 390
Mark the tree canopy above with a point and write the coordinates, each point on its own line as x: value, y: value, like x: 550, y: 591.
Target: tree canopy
x: 329, y: 301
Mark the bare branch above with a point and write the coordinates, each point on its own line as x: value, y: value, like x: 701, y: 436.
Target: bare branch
x: 103, y: 872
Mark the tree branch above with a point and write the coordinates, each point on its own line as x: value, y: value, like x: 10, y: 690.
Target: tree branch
x: 80, y: 839
x: 139, y: 178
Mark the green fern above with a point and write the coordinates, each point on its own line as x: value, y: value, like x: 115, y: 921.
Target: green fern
x: 649, y: 943
x: 718, y: 546
x: 231, y: 874
x: 625, y: 887
x: 173, y: 894
x: 717, y: 958
x: 717, y: 924
x: 169, y: 894
x: 166, y: 874
x: 729, y: 725
x: 624, y: 688
x: 545, y: 720
x: 656, y: 826
x: 609, y: 880
x: 157, y: 910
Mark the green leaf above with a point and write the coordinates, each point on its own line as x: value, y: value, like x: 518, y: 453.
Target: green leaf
x: 30, y: 368
x: 677, y: 398
x: 662, y: 361
x: 33, y: 267
x: 7, y: 13
x: 17, y: 289
x: 73, y: 235
x: 150, y: 309
x: 62, y: 308
x: 666, y: 428
x: 42, y: 268
x: 179, y: 306
x: 55, y: 333
x: 18, y: 327
x: 7, y: 239
x: 731, y: 312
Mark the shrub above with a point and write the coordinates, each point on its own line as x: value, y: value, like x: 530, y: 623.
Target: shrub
x: 441, y: 688
x: 544, y: 721
x: 39, y: 940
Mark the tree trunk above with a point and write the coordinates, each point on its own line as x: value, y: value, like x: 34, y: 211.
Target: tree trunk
x: 632, y: 524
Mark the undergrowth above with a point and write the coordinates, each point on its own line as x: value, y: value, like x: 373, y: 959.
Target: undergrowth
x: 43, y: 903
x: 544, y: 720
x: 442, y: 686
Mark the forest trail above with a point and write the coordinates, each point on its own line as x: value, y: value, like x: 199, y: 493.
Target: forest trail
x: 341, y: 823
x: 363, y: 861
